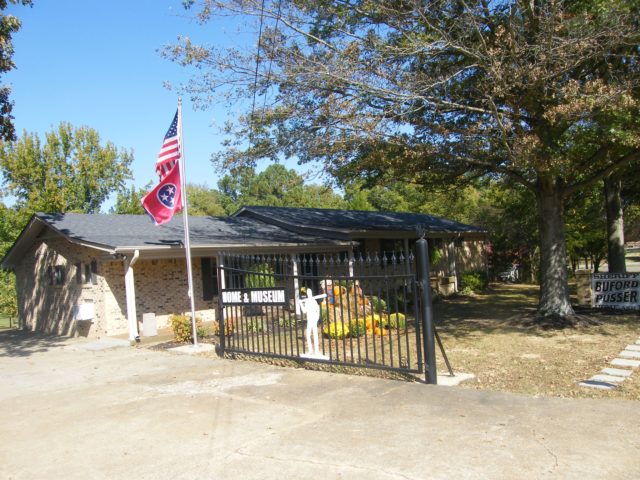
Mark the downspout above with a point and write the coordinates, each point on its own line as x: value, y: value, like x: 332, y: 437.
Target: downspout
x: 130, y: 292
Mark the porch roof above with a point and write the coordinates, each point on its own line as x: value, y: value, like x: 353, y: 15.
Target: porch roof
x: 125, y: 233
x: 350, y: 224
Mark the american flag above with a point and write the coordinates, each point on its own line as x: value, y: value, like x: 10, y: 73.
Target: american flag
x: 170, y: 151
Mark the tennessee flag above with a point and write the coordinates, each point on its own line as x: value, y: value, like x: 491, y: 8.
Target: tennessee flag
x: 166, y: 198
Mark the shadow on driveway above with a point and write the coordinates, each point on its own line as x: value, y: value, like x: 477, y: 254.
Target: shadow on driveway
x: 20, y: 343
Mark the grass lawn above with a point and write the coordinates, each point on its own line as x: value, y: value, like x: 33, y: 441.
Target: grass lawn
x: 6, y: 322
x: 484, y: 335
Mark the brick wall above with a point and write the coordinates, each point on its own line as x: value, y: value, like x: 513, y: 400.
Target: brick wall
x: 471, y: 256
x: 49, y: 308
x: 160, y: 285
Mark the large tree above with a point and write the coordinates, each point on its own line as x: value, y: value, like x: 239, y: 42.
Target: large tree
x: 276, y: 186
x: 544, y: 93
x: 9, y: 25
x: 71, y: 172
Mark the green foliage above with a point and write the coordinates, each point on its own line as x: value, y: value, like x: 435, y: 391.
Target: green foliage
x: 287, y: 322
x: 71, y: 172
x: 183, y: 329
x: 204, y: 201
x: 9, y: 25
x: 441, y: 96
x: 397, y: 320
x: 435, y: 254
x: 8, y: 305
x: 324, y: 313
x: 357, y: 327
x: 586, y: 227
x: 276, y: 186
x: 129, y: 201
x: 263, y: 276
x: 475, y: 281
x: 378, y: 305
x: 254, y: 326
x: 336, y: 330
x: 510, y: 216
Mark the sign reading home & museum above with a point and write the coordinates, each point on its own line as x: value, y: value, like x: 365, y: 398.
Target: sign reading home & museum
x: 254, y: 296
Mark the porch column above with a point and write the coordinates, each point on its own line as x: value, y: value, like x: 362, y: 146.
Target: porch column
x: 451, y: 260
x: 296, y: 282
x: 405, y: 245
x: 130, y: 292
x: 222, y: 284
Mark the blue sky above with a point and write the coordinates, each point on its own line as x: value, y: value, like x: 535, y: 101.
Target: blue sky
x: 96, y: 63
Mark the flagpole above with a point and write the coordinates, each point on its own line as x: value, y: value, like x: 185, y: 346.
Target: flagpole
x: 185, y: 219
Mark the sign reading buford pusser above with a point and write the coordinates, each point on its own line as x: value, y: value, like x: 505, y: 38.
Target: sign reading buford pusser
x: 615, y: 290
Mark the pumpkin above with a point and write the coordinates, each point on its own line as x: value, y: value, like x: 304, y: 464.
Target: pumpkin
x: 372, y: 321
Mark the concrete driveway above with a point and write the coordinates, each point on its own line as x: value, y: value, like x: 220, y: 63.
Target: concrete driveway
x: 76, y: 411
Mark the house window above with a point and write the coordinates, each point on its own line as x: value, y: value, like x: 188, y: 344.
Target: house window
x: 93, y: 272
x: 56, y: 275
x: 209, y: 278
x: 86, y: 273
x: 83, y: 273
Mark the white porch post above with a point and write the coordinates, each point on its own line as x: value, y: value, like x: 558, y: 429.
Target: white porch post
x: 296, y: 283
x: 405, y: 245
x: 221, y: 284
x: 130, y: 292
x: 451, y: 257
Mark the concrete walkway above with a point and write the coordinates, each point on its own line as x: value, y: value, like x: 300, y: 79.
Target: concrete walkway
x: 132, y: 413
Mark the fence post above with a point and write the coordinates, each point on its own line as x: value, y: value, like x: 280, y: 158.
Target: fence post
x: 426, y: 310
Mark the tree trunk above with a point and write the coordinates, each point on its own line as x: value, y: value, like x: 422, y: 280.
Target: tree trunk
x: 554, y: 287
x: 615, y: 227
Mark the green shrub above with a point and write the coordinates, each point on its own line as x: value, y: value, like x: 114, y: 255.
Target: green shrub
x: 335, y: 330
x: 261, y: 276
x: 378, y: 305
x: 287, y: 322
x: 357, y: 327
x: 254, y: 326
x: 467, y: 292
x: 397, y: 320
x: 182, y: 328
x: 324, y: 313
x: 475, y: 280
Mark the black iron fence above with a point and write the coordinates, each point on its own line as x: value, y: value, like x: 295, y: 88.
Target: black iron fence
x: 362, y: 311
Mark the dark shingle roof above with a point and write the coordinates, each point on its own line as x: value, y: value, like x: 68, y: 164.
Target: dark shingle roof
x: 129, y: 232
x: 354, y: 221
x: 137, y: 230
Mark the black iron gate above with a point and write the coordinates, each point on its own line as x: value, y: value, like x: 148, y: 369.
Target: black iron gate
x: 351, y: 311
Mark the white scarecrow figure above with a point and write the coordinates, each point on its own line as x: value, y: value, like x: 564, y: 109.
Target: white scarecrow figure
x: 310, y: 307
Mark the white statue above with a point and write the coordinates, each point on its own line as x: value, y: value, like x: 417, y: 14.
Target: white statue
x: 310, y: 307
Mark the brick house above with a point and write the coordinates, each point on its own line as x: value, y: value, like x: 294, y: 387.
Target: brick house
x: 96, y: 275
